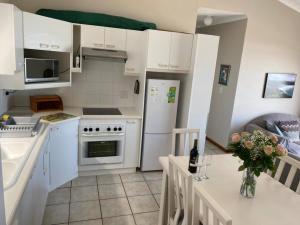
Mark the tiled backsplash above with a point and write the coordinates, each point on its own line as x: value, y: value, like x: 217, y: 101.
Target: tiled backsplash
x: 102, y: 84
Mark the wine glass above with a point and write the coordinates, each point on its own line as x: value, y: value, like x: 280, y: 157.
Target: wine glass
x: 199, y: 165
x: 206, y: 162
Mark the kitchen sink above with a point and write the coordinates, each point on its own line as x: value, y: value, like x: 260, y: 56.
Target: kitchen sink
x: 13, y: 150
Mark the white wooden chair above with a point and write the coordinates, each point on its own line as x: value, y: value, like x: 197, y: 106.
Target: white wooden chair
x: 184, y: 135
x: 179, y: 190
x: 295, y: 165
x: 207, y: 210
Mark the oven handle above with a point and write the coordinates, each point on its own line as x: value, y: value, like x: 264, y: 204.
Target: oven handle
x: 101, y: 135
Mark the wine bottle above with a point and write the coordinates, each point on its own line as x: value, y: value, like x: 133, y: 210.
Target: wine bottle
x: 193, y: 158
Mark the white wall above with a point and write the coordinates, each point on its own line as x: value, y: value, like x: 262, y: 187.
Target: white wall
x: 271, y: 45
x: 230, y: 53
x: 102, y: 84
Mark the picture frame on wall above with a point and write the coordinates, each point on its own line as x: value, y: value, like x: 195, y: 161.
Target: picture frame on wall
x: 224, y: 74
x: 279, y: 85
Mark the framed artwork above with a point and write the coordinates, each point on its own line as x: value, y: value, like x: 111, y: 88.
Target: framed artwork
x: 279, y: 85
x: 224, y: 74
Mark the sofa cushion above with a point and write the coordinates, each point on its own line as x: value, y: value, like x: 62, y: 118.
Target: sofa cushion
x: 272, y: 127
x: 290, y: 129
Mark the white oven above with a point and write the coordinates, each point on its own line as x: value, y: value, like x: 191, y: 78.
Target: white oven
x: 101, y: 143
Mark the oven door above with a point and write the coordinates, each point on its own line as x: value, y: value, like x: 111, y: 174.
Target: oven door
x: 96, y: 150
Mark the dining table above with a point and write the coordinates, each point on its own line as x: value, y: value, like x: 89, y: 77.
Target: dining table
x: 273, y: 203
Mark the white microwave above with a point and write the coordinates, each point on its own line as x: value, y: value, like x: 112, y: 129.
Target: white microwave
x: 41, y: 70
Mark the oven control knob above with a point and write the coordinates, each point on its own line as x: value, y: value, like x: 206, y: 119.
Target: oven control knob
x: 115, y: 129
x: 120, y: 128
x: 97, y: 129
x: 85, y: 129
x: 90, y: 129
x: 108, y: 129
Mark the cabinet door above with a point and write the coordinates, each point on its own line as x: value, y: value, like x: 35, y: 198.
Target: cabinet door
x: 135, y: 44
x: 158, y: 49
x: 181, y: 51
x: 63, y: 153
x: 92, y: 36
x: 11, y: 40
x: 25, y: 216
x: 44, y: 33
x: 115, y: 39
x: 132, y: 143
x: 40, y: 185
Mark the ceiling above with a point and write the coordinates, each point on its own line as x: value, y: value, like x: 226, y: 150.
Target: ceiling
x: 294, y: 4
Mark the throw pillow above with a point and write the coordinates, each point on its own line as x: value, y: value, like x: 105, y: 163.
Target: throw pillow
x: 272, y: 127
x: 290, y: 129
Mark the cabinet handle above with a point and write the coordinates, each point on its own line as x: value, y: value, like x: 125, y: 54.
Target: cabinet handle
x: 130, y: 69
x: 110, y: 46
x: 43, y: 45
x: 98, y: 45
x: 55, y: 46
x: 172, y: 66
x: 131, y: 122
x: 162, y: 65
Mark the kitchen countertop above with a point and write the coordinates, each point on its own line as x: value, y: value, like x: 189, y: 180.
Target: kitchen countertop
x: 127, y: 113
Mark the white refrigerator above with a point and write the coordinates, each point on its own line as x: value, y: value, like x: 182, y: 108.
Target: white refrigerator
x: 159, y: 121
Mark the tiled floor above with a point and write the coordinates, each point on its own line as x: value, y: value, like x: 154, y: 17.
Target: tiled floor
x: 125, y: 199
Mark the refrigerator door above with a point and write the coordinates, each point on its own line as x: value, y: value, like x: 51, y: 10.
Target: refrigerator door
x: 155, y: 145
x: 161, y: 106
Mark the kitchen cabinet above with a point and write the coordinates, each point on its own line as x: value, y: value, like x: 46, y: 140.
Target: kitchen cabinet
x: 32, y: 204
x: 103, y: 37
x: 92, y: 36
x: 180, y: 51
x: 135, y: 45
x: 115, y: 39
x: 169, y: 51
x: 11, y: 40
x: 132, y: 143
x: 63, y: 152
x: 44, y: 33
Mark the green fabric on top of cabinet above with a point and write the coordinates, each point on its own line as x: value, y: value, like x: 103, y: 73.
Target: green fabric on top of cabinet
x: 97, y: 19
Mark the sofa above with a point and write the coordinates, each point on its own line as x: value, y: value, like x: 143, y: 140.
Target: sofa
x: 265, y: 123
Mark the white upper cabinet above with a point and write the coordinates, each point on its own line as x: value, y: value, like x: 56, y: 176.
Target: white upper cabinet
x: 181, y: 51
x: 43, y: 33
x: 169, y: 51
x: 103, y: 37
x: 115, y: 38
x: 92, y: 36
x: 158, y: 49
x: 11, y: 40
x: 135, y: 45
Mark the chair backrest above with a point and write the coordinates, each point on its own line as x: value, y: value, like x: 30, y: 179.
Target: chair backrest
x: 179, y: 193
x: 186, y: 139
x: 295, y: 165
x: 207, y: 210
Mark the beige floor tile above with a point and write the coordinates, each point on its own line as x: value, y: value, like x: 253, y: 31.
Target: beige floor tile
x: 144, y: 203
x: 152, y: 175
x: 111, y: 191
x: 109, y: 179
x: 59, y: 196
x: 132, y: 177
x: 84, y: 211
x: 66, y: 185
x: 121, y: 220
x: 88, y: 222
x: 85, y: 193
x: 136, y: 188
x: 56, y: 214
x: 146, y: 218
x: 115, y: 207
x: 157, y: 199
x: 84, y: 181
x: 155, y: 186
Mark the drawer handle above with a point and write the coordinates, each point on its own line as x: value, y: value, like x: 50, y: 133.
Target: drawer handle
x: 130, y: 69
x: 131, y: 122
x: 172, y: 66
x: 98, y: 45
x: 162, y: 65
x: 110, y: 46
x: 55, y: 46
x: 43, y: 45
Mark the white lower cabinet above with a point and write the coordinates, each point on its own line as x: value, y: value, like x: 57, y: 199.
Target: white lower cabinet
x: 63, y: 148
x: 132, y: 143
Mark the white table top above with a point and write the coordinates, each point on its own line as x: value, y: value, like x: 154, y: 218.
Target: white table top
x: 273, y: 204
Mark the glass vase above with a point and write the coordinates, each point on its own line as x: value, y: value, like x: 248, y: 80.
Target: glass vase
x: 248, y: 184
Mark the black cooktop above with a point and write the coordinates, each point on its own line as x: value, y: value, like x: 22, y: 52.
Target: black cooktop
x: 101, y: 111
